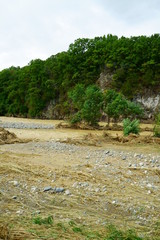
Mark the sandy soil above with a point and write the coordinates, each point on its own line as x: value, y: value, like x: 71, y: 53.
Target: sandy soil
x: 99, y: 186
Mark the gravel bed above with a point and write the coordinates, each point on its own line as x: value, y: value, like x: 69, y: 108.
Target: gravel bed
x: 132, y: 174
x: 22, y: 125
x: 130, y: 159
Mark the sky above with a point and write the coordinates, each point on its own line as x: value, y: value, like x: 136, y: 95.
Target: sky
x: 31, y: 29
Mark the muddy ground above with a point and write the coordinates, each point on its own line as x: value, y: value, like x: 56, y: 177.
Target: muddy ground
x: 84, y: 176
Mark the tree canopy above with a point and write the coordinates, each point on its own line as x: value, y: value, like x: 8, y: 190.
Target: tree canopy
x: 134, y: 63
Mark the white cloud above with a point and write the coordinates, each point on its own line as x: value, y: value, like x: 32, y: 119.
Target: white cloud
x: 32, y: 29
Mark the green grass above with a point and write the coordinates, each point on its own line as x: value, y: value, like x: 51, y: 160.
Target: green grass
x: 45, y: 228
x: 40, y: 221
x: 115, y: 234
x: 72, y: 230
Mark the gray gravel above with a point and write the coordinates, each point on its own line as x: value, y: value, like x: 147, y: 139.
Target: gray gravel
x: 22, y: 125
x: 98, y: 156
x: 133, y: 169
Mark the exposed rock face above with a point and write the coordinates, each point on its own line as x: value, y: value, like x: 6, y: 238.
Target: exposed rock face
x: 49, y: 112
x: 149, y: 99
x: 150, y: 102
x: 105, y: 79
x: 53, y: 111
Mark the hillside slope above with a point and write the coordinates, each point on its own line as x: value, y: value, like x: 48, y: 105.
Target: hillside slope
x: 134, y: 64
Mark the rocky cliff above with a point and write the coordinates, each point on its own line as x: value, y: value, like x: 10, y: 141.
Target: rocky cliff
x: 149, y: 99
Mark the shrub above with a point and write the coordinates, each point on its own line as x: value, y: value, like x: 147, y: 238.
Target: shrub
x: 156, y: 129
x: 76, y: 118
x: 130, y: 126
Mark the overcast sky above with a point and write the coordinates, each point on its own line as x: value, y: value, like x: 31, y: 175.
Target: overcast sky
x: 31, y: 29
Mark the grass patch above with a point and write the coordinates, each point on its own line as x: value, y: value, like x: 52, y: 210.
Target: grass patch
x: 45, y: 228
x: 62, y: 227
x: 46, y: 221
x: 77, y: 230
x: 115, y: 234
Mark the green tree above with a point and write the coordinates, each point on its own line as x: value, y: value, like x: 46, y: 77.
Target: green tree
x: 116, y: 106
x: 91, y: 110
x: 134, y: 63
x: 78, y: 96
x: 133, y: 110
x: 88, y: 102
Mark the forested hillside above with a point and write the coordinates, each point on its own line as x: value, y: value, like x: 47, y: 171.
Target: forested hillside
x: 134, y: 63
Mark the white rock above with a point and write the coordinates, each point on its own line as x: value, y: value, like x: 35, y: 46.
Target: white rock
x: 67, y: 192
x: 15, y: 183
x: 141, y: 164
x: 20, y: 212
x: 34, y: 189
x: 97, y: 190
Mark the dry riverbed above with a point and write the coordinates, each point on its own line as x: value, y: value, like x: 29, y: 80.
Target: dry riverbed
x: 89, y: 185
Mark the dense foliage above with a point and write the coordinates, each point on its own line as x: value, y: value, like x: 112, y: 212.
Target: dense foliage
x: 134, y: 63
x: 130, y: 126
x: 116, y: 106
x: 90, y: 103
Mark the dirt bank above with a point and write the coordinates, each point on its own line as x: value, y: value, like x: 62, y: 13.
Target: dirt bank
x: 7, y: 137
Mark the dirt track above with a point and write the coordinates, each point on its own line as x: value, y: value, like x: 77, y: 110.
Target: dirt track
x: 112, y: 183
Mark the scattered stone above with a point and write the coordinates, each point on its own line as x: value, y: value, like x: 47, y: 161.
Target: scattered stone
x: 54, y: 190
x: 14, y: 197
x: 67, y: 192
x: 36, y: 212
x: 15, y: 183
x: 46, y: 189
x: 34, y: 189
x: 75, y: 185
x: 20, y: 212
x: 134, y: 166
x: 97, y: 190
x: 111, y: 154
x: 141, y: 164
x: 59, y: 190
x: 107, y: 152
x: 84, y: 184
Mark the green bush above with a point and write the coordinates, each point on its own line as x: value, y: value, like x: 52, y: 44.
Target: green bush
x: 130, y: 126
x: 156, y: 129
x: 76, y: 118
